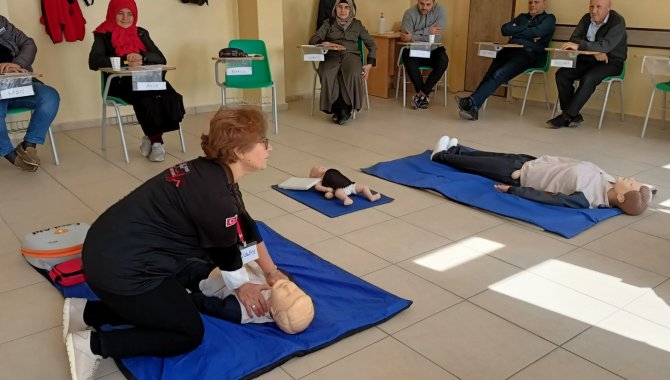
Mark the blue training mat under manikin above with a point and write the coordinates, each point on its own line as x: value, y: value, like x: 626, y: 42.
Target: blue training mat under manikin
x: 473, y: 190
x: 331, y: 207
x: 344, y: 305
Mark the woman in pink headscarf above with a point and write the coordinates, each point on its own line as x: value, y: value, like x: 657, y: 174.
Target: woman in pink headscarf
x: 156, y: 111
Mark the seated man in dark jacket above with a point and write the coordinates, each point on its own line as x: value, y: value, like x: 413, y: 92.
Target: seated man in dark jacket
x: 601, y: 30
x: 17, y: 54
x: 557, y: 181
x: 533, y: 30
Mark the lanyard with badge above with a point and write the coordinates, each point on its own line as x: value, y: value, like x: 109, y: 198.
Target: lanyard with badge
x: 248, y: 250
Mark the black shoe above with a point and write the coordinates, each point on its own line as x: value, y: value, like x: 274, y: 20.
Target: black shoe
x: 469, y: 114
x: 576, y: 121
x: 415, y: 101
x: 464, y: 104
x: 424, y: 102
x: 343, y: 118
x: 560, y: 121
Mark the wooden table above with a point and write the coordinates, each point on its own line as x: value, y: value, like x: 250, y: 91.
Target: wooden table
x: 385, y: 69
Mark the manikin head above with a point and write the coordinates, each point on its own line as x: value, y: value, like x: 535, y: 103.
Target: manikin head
x: 317, y: 171
x: 631, y: 196
x: 291, y: 308
x: 536, y: 7
x: 599, y: 9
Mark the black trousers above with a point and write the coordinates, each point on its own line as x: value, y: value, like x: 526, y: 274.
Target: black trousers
x: 165, y: 320
x: 590, y: 72
x: 438, y: 61
x: 496, y: 166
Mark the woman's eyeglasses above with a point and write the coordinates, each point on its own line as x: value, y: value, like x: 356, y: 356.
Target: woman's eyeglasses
x: 265, y: 142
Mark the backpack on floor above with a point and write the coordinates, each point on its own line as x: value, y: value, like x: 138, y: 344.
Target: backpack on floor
x: 44, y: 249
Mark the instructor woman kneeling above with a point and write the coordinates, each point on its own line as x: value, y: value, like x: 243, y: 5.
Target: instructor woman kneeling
x: 135, y: 251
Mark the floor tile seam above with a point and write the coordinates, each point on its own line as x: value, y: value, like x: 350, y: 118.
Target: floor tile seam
x: 386, y: 336
x: 563, y: 346
x: 532, y: 363
x: 428, y: 281
x: 626, y: 262
x: 4, y: 221
x: 25, y: 285
x: 32, y: 333
x: 425, y: 357
x: 330, y: 235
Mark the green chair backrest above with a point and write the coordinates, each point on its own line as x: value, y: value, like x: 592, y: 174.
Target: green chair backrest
x: 111, y: 98
x: 665, y: 86
x: 260, y: 69
x: 621, y: 76
x: 361, y: 47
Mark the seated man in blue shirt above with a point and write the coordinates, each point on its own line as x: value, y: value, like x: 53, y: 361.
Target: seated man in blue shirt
x: 534, y: 31
x: 17, y: 54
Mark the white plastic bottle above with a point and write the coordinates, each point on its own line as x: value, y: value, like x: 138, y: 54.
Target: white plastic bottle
x: 382, y: 24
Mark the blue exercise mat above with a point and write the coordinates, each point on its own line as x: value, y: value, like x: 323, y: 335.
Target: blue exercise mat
x: 344, y: 305
x: 473, y: 190
x: 331, y: 207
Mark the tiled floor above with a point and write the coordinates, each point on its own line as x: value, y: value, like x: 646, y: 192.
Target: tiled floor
x: 493, y: 298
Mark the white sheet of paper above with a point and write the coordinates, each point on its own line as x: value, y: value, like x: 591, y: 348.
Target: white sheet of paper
x: 296, y: 183
x: 488, y: 53
x: 562, y: 63
x: 314, y: 57
x: 418, y: 53
x: 151, y: 86
x: 17, y: 92
x: 232, y: 71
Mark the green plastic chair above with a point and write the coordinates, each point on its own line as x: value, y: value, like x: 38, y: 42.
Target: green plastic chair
x: 665, y: 88
x: 116, y: 102
x: 401, y: 72
x: 608, y: 80
x: 14, y: 129
x: 530, y: 72
x: 361, y: 47
x: 261, y: 76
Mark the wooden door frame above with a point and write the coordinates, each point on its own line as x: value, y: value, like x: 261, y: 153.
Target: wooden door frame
x: 459, y: 45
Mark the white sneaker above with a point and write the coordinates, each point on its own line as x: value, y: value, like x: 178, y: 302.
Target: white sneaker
x: 73, y: 316
x: 145, y: 148
x: 442, y: 144
x: 452, y: 142
x: 157, y: 152
x: 83, y: 362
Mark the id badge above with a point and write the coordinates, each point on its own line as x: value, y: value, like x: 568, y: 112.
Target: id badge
x: 249, y: 252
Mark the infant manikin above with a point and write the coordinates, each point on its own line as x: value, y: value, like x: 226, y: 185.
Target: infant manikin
x: 289, y: 307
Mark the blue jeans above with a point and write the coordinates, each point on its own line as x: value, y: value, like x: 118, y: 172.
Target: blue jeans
x: 44, y: 103
x: 508, y: 64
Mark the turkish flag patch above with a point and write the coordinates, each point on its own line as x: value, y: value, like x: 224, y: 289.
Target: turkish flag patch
x: 231, y: 221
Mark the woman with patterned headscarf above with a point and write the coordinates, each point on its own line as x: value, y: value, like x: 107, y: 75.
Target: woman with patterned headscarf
x: 342, y: 71
x: 156, y: 111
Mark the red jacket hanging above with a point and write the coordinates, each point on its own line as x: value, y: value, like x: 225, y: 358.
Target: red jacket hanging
x: 63, y: 18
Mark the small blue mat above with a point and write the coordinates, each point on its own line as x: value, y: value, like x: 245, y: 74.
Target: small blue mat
x: 344, y: 305
x: 473, y: 190
x: 331, y: 207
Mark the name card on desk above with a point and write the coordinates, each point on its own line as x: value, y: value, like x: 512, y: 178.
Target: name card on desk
x: 17, y: 92
x: 151, y: 86
x: 419, y: 53
x: 568, y: 63
x: 15, y: 85
x: 314, y: 57
x: 239, y: 70
x: 488, y: 53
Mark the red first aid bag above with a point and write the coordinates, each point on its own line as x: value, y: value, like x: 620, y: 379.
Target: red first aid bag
x: 68, y: 273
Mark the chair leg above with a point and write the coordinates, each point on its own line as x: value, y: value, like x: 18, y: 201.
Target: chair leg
x: 181, y: 139
x: 646, y: 118
x: 53, y: 148
x: 311, y: 113
x: 274, y: 108
x: 367, y: 95
x: 602, y: 113
x: 553, y: 112
x: 665, y: 107
x: 103, y: 124
x: 621, y: 98
x: 223, y: 96
x: 404, y: 90
x: 546, y: 90
x: 483, y: 108
x: 123, y: 137
x: 525, y: 95
x: 446, y: 82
